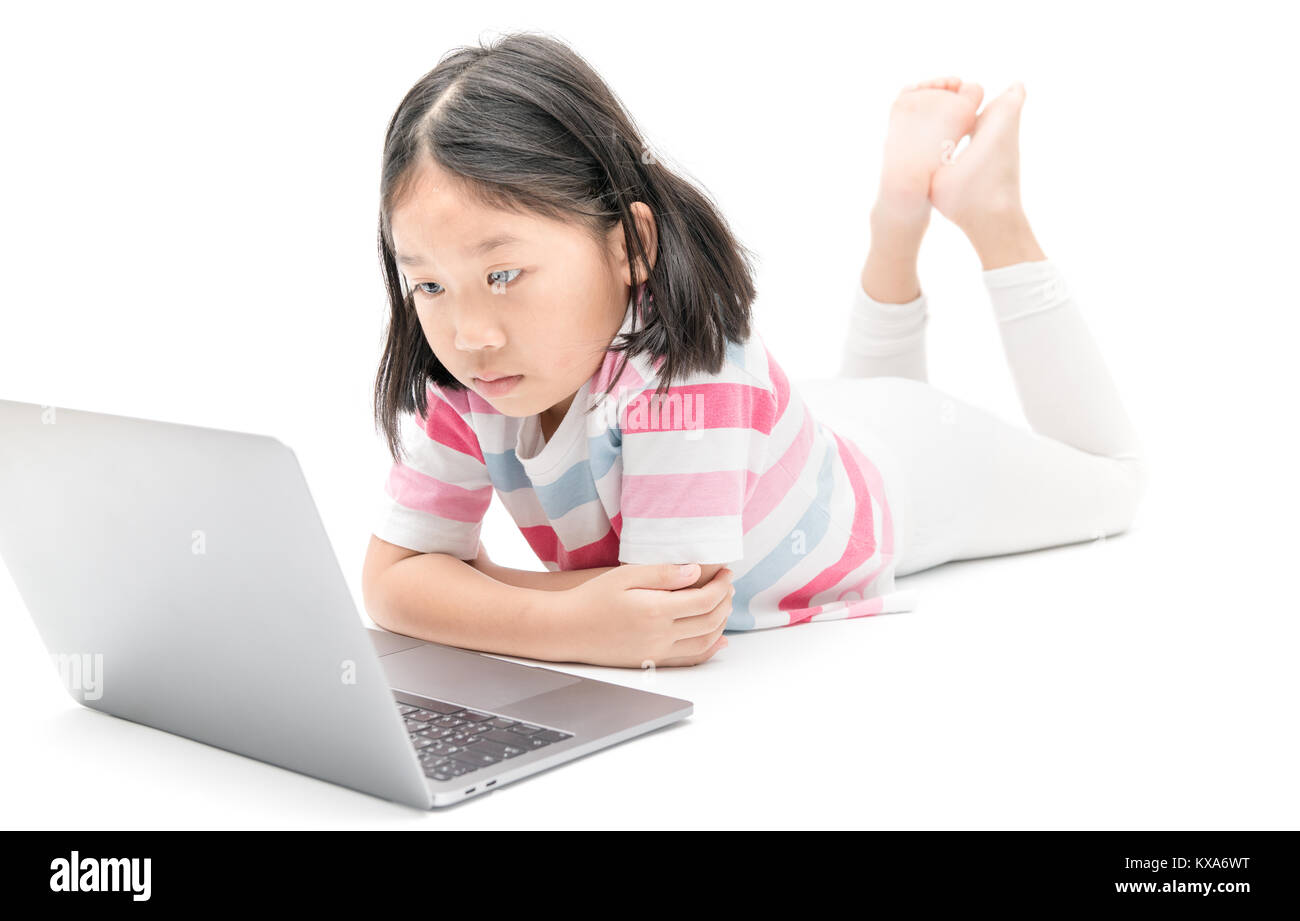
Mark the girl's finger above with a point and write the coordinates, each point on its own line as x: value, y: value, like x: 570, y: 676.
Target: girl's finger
x: 701, y: 624
x: 689, y: 602
x: 678, y: 661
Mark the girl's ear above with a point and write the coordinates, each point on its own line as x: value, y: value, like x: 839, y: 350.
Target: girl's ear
x: 645, y: 225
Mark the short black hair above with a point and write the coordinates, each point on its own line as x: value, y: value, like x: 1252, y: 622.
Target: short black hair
x: 525, y: 124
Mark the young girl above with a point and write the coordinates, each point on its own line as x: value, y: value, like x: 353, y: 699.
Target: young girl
x: 571, y: 330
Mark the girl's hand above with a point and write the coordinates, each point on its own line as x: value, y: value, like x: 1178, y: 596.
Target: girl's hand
x: 641, y: 615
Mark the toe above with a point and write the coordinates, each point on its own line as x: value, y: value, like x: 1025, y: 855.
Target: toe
x: 972, y: 92
x: 1014, y: 94
x: 938, y: 83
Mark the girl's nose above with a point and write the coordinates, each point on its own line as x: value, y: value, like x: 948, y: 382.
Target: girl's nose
x: 477, y: 328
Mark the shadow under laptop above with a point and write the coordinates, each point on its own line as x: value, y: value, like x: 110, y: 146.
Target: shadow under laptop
x: 185, y: 778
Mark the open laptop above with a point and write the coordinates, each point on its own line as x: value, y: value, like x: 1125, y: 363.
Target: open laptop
x: 180, y: 577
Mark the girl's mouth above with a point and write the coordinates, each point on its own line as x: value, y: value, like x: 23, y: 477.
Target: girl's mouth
x: 499, y: 387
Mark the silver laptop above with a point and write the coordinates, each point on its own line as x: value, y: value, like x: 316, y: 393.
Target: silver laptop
x: 180, y: 577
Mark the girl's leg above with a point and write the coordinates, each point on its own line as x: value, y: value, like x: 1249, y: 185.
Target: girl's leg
x: 889, y: 313
x: 971, y: 484
x: 968, y: 483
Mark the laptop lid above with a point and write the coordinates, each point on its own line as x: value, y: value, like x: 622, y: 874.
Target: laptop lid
x: 191, y: 564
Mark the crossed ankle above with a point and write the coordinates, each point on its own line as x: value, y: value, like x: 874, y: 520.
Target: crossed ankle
x: 896, y: 214
x: 1002, y: 216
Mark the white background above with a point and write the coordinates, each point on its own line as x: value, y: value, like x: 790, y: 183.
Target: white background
x: 189, y: 218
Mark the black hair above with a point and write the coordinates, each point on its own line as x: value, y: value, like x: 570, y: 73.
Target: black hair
x: 525, y: 124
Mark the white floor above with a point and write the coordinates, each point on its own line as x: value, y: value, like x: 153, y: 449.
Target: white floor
x: 1137, y: 682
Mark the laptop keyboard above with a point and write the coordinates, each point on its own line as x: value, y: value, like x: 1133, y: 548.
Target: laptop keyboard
x: 452, y: 740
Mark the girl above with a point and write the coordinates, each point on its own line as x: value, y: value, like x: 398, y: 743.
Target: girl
x: 571, y: 330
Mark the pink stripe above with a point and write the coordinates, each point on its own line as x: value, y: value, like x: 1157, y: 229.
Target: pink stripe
x: 780, y: 383
x: 550, y: 549
x: 861, y: 607
x: 630, y: 377
x: 423, y: 493
x: 700, y: 406
x: 684, y: 495
x: 876, y: 484
x: 476, y: 404
x: 864, y: 607
x: 800, y: 615
x: 447, y: 427
x: 774, y: 485
x: 858, y: 549
x: 464, y: 400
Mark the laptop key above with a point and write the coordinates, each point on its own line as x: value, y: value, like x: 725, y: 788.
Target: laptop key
x: 445, y: 729
x: 488, y: 747
x: 478, y: 758
x: 441, y: 706
x: 514, y: 739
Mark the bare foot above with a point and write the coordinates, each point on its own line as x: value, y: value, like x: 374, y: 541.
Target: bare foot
x: 984, y: 179
x: 926, y: 122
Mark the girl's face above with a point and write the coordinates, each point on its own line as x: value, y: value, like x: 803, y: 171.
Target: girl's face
x: 529, y: 301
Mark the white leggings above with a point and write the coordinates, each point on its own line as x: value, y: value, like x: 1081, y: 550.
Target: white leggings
x: 962, y: 482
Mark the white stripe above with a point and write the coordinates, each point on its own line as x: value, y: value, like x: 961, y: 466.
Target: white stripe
x: 427, y: 533
x: 698, y: 451
x: 707, y: 528
x: 424, y: 455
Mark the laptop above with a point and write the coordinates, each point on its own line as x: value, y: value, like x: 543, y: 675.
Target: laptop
x: 180, y: 577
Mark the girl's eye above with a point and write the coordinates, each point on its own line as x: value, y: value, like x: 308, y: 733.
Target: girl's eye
x: 495, y: 279
x: 501, y: 283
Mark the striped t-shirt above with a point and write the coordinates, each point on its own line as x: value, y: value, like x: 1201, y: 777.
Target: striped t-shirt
x: 721, y: 468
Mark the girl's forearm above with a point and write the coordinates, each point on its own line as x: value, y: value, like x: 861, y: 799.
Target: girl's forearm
x: 540, y: 581
x: 436, y: 597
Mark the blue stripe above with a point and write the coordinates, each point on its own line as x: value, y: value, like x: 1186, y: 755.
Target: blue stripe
x: 814, y: 523
x: 602, y: 451
x: 505, y: 471
x: 736, y: 353
x: 574, y: 487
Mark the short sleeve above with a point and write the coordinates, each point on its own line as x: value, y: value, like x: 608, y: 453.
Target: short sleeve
x: 436, y: 496
x: 691, y: 459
